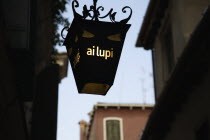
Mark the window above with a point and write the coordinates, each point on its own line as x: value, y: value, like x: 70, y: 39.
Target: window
x: 167, y: 48
x: 113, y: 128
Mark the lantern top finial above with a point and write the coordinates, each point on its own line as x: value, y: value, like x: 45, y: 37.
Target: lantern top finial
x: 94, y: 12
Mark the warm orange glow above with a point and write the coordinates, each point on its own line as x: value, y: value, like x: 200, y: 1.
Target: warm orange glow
x: 115, y: 37
x: 87, y: 34
x: 95, y: 88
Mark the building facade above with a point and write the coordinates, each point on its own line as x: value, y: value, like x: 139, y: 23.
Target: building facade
x: 115, y: 122
x: 177, y: 32
x: 29, y: 75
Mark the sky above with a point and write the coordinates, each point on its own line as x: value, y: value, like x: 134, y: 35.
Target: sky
x: 134, y: 78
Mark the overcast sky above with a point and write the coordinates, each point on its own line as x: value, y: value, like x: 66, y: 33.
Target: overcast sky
x: 133, y: 82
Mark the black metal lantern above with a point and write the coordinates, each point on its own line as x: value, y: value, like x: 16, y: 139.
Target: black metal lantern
x: 94, y: 48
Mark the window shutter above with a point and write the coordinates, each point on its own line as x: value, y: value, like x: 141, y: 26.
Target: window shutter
x: 113, y: 129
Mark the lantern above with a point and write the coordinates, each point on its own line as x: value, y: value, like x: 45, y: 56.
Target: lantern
x: 94, y: 48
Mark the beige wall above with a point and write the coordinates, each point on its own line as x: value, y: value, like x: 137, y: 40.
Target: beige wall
x: 182, y: 25
x: 185, y: 15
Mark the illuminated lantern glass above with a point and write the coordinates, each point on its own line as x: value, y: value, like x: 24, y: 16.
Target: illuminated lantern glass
x: 94, y: 48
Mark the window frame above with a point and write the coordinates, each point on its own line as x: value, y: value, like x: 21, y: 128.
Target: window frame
x: 168, y: 65
x: 113, y: 118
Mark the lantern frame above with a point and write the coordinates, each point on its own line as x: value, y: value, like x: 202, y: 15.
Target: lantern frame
x: 75, y: 42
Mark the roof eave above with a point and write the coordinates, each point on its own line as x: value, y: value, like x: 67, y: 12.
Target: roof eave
x: 151, y: 23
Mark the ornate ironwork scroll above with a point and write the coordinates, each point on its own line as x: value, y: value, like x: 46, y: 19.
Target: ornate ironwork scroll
x: 94, y: 12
